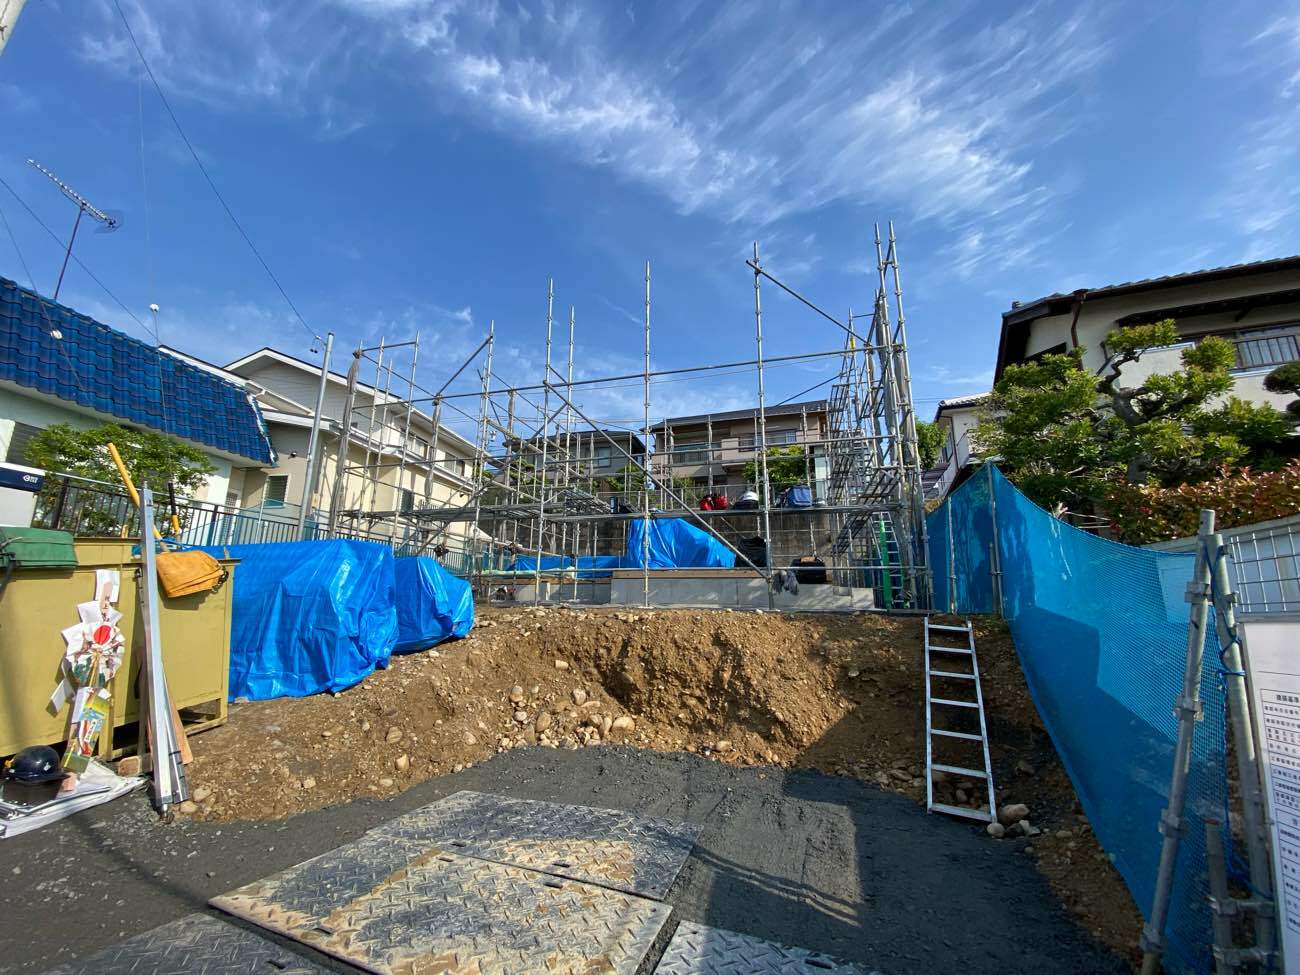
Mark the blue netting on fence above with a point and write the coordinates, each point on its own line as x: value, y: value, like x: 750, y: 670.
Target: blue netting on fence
x: 963, y: 572
x: 1101, y: 630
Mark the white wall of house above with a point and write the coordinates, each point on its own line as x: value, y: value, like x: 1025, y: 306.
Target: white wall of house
x: 955, y: 423
x: 1097, y: 317
x: 17, y: 405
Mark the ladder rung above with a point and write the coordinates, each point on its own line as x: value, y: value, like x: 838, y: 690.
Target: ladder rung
x: 943, y: 807
x: 951, y: 673
x: 955, y: 734
x: 965, y: 650
x: 955, y: 704
x: 950, y: 629
x: 958, y: 770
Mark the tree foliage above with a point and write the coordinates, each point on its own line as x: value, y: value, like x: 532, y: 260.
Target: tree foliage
x: 151, y: 458
x: 786, y: 467
x: 1286, y: 379
x: 929, y: 441
x: 1062, y: 434
x: 1141, y: 513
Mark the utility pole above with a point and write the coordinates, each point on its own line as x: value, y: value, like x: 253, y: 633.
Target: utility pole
x: 306, y: 508
x: 83, y: 206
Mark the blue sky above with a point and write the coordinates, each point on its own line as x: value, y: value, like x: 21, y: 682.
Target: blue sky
x: 426, y: 165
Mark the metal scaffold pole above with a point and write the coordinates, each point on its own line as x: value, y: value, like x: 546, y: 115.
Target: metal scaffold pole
x: 306, y: 507
x: 406, y: 439
x: 546, y: 436
x: 645, y: 432
x: 761, y: 445
x: 345, y: 438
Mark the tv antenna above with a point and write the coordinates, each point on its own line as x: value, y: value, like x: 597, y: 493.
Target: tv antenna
x: 84, y: 206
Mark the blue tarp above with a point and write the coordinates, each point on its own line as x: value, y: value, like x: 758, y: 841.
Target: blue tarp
x: 309, y: 616
x: 797, y: 497
x: 674, y: 544
x: 432, y: 604
x: 528, y: 563
x: 599, y: 566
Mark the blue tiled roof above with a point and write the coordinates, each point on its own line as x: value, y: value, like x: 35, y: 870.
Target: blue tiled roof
x: 108, y: 371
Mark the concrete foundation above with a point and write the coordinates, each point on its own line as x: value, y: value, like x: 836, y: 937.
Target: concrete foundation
x: 712, y: 591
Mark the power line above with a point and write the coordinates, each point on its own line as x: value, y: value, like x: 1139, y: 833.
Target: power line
x: 204, y: 170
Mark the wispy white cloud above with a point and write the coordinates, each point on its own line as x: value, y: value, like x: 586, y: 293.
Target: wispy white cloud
x: 1261, y: 198
x: 751, y: 115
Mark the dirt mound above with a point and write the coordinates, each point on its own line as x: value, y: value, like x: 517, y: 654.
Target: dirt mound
x: 842, y: 694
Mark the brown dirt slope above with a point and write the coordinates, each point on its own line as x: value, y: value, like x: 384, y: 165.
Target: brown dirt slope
x: 842, y: 694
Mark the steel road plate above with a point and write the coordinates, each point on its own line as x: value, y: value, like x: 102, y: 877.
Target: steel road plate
x: 390, y: 906
x: 600, y: 846
x: 196, y: 944
x: 700, y: 950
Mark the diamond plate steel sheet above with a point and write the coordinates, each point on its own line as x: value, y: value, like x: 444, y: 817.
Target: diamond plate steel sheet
x: 600, y: 846
x: 700, y: 950
x: 393, y: 906
x: 193, y: 945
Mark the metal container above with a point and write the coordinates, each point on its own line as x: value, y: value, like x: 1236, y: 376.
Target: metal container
x: 39, y: 603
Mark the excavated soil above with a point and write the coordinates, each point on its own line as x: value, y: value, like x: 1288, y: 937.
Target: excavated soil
x: 840, y: 694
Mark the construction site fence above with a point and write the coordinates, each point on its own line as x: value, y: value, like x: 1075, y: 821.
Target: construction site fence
x: 1101, y: 630
x: 1263, y: 563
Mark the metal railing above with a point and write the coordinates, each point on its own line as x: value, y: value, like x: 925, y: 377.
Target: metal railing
x: 88, y: 507
x: 1264, y: 562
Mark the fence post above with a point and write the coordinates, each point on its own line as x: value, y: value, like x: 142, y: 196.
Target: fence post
x: 58, y: 505
x: 1243, y: 738
x: 995, y: 555
x: 952, y: 561
x: 1188, y: 709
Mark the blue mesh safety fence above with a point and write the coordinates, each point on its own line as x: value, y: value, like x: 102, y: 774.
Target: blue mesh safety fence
x: 1101, y: 631
x: 961, y: 549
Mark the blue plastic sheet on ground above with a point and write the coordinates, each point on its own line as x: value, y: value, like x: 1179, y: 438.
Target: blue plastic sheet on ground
x: 599, y: 566
x: 674, y: 544
x: 308, y: 616
x: 530, y: 563
x: 432, y: 604
x: 1101, y: 631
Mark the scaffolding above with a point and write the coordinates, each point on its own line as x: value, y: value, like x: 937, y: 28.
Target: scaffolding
x: 551, y: 484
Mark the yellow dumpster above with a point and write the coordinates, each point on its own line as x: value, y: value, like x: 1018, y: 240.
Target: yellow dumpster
x: 38, y: 604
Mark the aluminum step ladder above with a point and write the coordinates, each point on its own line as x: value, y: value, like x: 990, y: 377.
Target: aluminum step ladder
x: 955, y: 667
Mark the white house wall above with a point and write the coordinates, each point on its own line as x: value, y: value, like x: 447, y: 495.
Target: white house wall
x: 1098, y: 318
x: 15, y: 407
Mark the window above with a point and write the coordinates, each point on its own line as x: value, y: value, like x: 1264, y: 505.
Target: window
x: 408, y: 500
x: 691, y: 453
x: 276, y: 487
x: 1058, y: 349
x: 603, y: 456
x: 775, y: 438
x: 1263, y: 347
x: 18, y: 441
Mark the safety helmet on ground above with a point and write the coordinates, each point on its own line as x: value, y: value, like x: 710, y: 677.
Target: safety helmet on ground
x: 39, y: 763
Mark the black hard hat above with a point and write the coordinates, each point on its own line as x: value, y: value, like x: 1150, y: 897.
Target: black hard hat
x: 40, y: 763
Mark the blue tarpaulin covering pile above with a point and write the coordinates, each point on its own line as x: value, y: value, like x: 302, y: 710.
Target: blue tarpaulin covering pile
x: 528, y: 563
x: 309, y: 616
x: 321, y: 616
x: 599, y: 566
x: 674, y: 544
x: 432, y: 604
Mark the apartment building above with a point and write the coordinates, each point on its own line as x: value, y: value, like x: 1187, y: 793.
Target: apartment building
x: 390, y: 465
x: 711, y: 450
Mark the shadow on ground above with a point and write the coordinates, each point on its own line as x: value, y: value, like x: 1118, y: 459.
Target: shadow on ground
x: 831, y: 864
